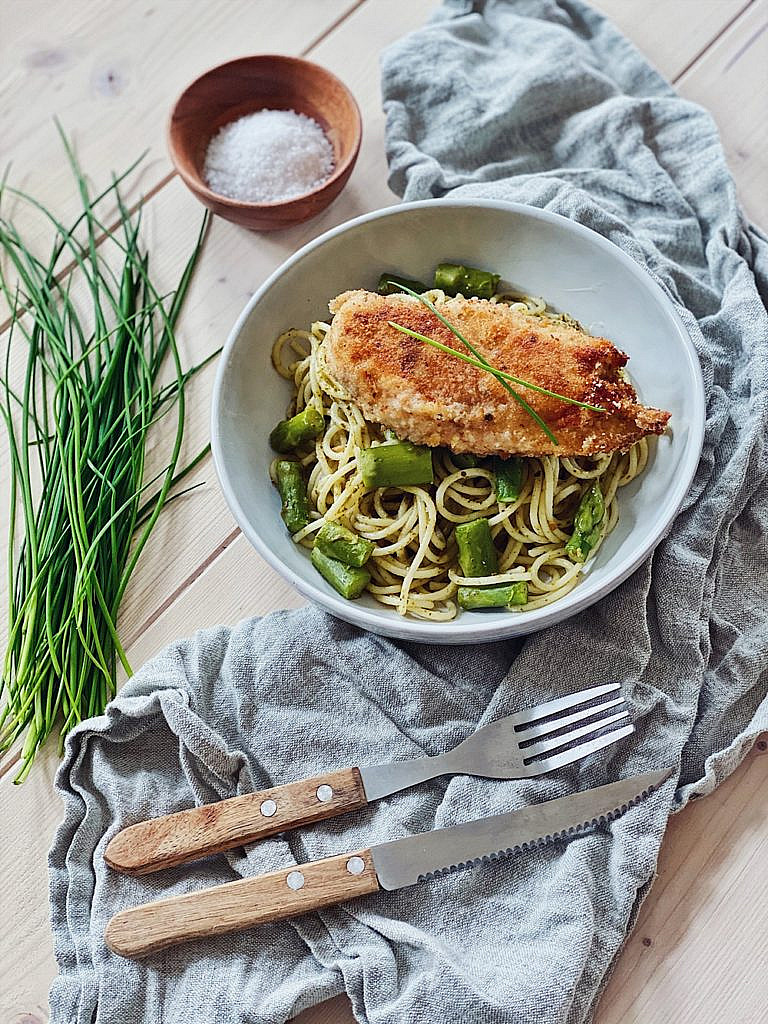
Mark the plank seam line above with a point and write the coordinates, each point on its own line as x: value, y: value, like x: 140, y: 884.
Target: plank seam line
x: 665, y: 966
x: 7, y: 764
x: 167, y: 178
x: 713, y: 42
x: 12, y: 758
x: 743, y: 49
x: 223, y: 545
x: 331, y: 28
x: 219, y: 550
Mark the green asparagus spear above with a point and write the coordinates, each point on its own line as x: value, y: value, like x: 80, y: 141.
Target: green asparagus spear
x: 501, y: 596
x: 396, y: 465
x: 293, y: 493
x: 587, y: 525
x: 464, y: 460
x: 304, y: 426
x: 349, y: 581
x: 336, y: 541
x: 477, y: 555
x: 390, y: 284
x: 453, y: 278
x: 509, y: 477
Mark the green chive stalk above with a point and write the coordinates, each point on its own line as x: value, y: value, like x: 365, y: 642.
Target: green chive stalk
x: 78, y: 425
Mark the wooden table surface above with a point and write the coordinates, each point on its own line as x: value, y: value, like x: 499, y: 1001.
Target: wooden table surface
x: 110, y: 72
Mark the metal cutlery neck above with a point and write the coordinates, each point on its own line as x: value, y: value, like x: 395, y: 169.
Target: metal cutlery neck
x: 380, y: 780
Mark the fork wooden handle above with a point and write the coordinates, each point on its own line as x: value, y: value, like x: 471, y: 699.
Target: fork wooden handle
x: 211, y: 828
x: 242, y: 904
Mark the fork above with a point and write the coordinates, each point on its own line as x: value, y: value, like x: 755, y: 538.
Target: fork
x: 529, y: 743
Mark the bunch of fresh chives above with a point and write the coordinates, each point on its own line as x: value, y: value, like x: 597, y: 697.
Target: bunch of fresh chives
x: 81, y: 509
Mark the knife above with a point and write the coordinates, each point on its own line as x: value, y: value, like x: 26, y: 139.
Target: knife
x: 393, y: 865
x: 531, y: 742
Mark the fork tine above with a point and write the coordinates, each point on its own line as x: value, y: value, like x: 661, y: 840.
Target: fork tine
x: 574, y: 734
x: 576, y: 753
x: 552, y: 724
x: 571, y: 700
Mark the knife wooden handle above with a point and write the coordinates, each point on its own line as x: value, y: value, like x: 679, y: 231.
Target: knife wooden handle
x: 242, y: 904
x: 211, y: 828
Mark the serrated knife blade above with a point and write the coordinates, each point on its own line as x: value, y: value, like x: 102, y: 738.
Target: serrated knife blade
x: 402, y: 862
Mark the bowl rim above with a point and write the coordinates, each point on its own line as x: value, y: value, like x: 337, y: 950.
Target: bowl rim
x: 197, y: 183
x: 387, y: 622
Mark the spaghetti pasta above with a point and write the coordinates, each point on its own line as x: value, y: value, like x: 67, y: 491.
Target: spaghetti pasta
x: 414, y: 565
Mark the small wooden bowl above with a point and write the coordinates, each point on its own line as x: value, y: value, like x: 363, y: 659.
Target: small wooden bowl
x: 243, y: 86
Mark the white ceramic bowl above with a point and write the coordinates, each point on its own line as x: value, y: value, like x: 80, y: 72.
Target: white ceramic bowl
x: 538, y: 253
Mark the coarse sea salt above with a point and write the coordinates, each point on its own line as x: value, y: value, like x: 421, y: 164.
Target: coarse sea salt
x: 268, y: 156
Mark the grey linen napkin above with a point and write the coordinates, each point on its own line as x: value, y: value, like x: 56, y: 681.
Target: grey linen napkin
x: 540, y: 102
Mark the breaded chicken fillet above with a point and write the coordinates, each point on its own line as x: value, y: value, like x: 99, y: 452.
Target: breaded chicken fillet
x: 429, y: 397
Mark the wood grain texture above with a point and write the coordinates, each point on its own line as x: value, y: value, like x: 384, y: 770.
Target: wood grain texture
x: 111, y: 72
x: 195, y: 530
x: 213, y: 828
x: 697, y: 953
x: 243, y: 904
x: 706, y: 916
x: 733, y: 83
x: 672, y: 35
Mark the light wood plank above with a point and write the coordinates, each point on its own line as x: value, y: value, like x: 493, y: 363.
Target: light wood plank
x: 33, y: 809
x: 212, y: 307
x: 671, y: 35
x: 732, y: 82
x: 110, y: 73
x: 26, y: 945
x: 213, y: 598
x: 233, y: 265
x: 697, y: 952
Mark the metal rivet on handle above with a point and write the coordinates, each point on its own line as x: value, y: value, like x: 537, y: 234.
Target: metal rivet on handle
x: 355, y: 865
x: 324, y: 794
x: 268, y: 808
x: 295, y: 880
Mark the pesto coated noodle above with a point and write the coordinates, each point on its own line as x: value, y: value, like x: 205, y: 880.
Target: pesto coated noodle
x: 414, y: 567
